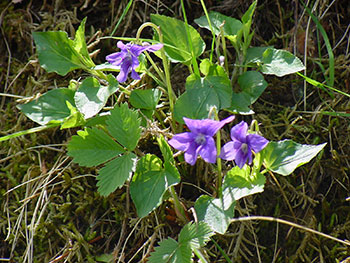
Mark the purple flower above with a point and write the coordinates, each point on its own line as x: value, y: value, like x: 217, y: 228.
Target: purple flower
x: 127, y: 58
x: 199, y: 140
x: 242, y: 144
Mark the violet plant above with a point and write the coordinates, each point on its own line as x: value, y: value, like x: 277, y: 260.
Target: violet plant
x: 111, y: 133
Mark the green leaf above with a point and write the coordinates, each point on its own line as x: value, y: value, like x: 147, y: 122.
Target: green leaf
x: 74, y: 119
x: 216, y: 212
x: 201, y: 94
x: 106, y: 258
x: 239, y: 183
x: 231, y: 26
x: 192, y: 236
x: 92, y: 147
x: 170, y: 251
x: 150, y: 182
x: 197, y: 234
x: 284, y: 157
x: 195, y: 104
x: 145, y: 99
x: 124, y: 125
x: 165, y: 149
x: 252, y: 85
x: 248, y: 15
x: 274, y: 61
x: 176, y: 44
x: 51, y: 106
x: 114, y: 174
x: 79, y: 44
x: 56, y: 52
x: 280, y: 63
x: 220, y: 84
x: 210, y: 69
x: 91, y: 97
x: 254, y: 55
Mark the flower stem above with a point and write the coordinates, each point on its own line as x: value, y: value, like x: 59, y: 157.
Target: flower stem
x: 218, y: 159
x: 211, y: 29
x: 178, y: 207
x: 194, y: 60
x: 171, y: 94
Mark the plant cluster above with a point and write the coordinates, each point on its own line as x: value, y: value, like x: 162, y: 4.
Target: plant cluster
x: 114, y: 113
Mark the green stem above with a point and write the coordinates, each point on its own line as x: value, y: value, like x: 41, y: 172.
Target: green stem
x: 211, y: 29
x: 194, y: 61
x: 178, y: 207
x: 221, y: 250
x: 29, y: 131
x: 218, y: 160
x: 223, y: 40
x: 159, y: 72
x: 199, y: 255
x: 171, y: 94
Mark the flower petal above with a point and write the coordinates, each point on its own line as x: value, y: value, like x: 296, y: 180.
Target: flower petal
x: 206, y: 126
x: 230, y: 150
x: 153, y: 48
x: 256, y: 142
x: 134, y: 74
x: 115, y: 58
x: 208, y: 150
x: 239, y: 131
x: 182, y: 141
x: 191, y: 154
x: 121, y: 45
x: 241, y: 158
x: 124, y: 71
x: 136, y: 50
x: 134, y: 62
x: 211, y: 127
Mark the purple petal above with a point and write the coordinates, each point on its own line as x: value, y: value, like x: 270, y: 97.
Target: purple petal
x: 208, y: 151
x: 124, y: 71
x: 193, y: 125
x: 134, y: 62
x: 134, y: 74
x: 122, y: 76
x: 230, y: 150
x: 121, y: 45
x: 206, y: 126
x: 191, y: 154
x: 136, y: 50
x: 239, y: 131
x: 153, y: 48
x: 211, y: 127
x: 241, y: 158
x: 256, y: 142
x: 182, y: 141
x: 115, y: 58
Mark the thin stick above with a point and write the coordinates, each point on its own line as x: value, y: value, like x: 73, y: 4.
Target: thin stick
x: 282, y: 221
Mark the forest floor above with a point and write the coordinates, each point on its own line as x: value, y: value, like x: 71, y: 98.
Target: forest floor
x: 50, y: 210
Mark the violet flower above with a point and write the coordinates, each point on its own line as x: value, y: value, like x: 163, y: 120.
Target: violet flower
x: 199, y: 141
x: 242, y: 144
x: 127, y: 58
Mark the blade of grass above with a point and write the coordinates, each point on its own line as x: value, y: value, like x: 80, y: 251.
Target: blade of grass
x: 322, y: 86
x: 194, y: 59
x: 221, y: 250
x: 29, y: 131
x: 330, y: 81
x: 125, y: 11
x: 211, y: 30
